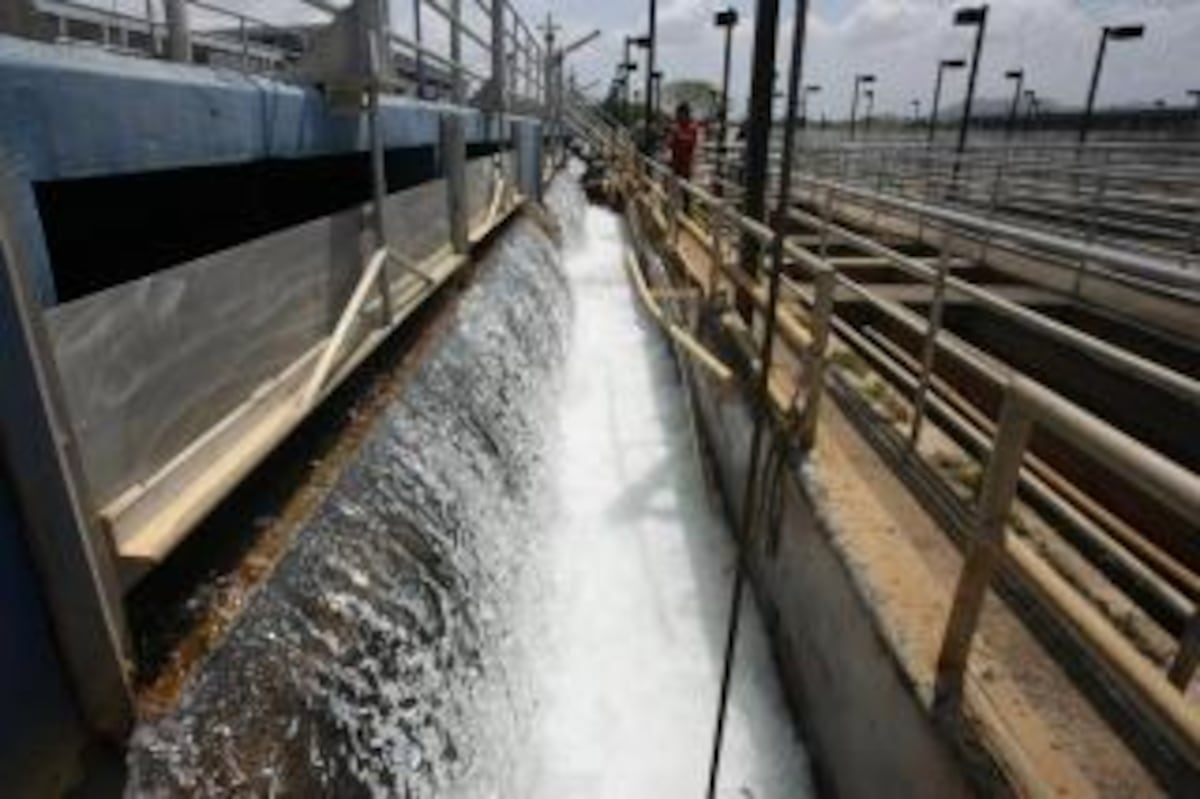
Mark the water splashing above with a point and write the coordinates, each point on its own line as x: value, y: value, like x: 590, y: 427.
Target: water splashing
x: 379, y: 658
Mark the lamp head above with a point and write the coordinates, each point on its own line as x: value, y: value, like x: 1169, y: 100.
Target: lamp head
x: 726, y: 19
x: 970, y: 16
x: 1125, y: 32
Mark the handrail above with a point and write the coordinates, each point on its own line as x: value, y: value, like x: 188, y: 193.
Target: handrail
x: 1028, y: 404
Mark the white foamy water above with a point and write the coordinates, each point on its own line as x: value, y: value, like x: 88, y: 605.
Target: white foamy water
x: 517, y: 587
x: 637, y: 571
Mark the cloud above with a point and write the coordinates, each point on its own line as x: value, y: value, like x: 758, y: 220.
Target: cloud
x: 900, y: 40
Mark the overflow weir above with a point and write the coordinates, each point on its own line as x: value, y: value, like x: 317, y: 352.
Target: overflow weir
x: 348, y: 448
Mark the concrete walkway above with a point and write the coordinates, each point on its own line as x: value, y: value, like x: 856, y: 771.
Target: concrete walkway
x: 638, y: 569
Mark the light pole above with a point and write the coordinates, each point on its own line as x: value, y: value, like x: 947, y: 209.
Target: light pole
x: 870, y: 95
x: 648, y: 140
x: 758, y: 137
x: 916, y: 106
x: 1117, y: 34
x: 859, y: 80
x: 642, y: 43
x: 1017, y: 75
x: 811, y: 88
x: 629, y: 66
x: 1031, y: 104
x: 976, y: 16
x: 727, y: 19
x: 943, y: 65
x: 657, y: 81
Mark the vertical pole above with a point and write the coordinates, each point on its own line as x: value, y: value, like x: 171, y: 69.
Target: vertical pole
x: 179, y: 37
x: 985, y: 554
x: 377, y: 44
x: 854, y: 109
x: 758, y: 136
x: 497, y: 42
x: 937, y: 96
x: 628, y: 81
x: 1086, y: 122
x: 456, y: 49
x: 244, y: 35
x: 652, y: 33
x: 454, y: 153
x: 723, y: 130
x: 39, y: 459
x: 762, y: 395
x: 823, y: 285
x: 929, y: 344
x: 1016, y: 101
x: 966, y: 117
x: 419, y: 40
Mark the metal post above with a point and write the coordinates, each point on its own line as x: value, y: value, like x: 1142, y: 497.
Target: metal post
x: 978, y: 18
x: 419, y: 41
x: 377, y: 43
x: 498, y: 84
x: 244, y: 35
x: 762, y: 395
x: 179, y: 37
x: 758, y: 134
x: 39, y: 460
x: 854, y: 107
x: 456, y: 50
x: 1187, y: 657
x: 1086, y: 121
x: 929, y: 344
x: 823, y: 286
x: 454, y: 153
x: 728, y: 20
x: 651, y: 35
x: 1019, y: 76
x: 985, y: 554
x: 943, y: 65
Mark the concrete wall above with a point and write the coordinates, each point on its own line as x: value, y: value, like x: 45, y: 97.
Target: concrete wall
x: 868, y: 733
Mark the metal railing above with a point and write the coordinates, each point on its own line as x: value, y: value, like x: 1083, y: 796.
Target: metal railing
x: 1142, y: 196
x: 476, y: 52
x: 1012, y: 471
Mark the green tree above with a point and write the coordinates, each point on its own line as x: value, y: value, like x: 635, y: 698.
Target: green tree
x: 702, y: 96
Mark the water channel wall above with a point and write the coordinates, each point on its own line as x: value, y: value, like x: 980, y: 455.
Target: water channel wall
x: 174, y: 236
x: 863, y: 724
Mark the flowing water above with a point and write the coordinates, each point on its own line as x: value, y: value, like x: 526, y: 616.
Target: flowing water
x: 516, y: 588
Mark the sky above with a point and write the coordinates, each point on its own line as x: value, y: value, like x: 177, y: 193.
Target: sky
x: 900, y: 41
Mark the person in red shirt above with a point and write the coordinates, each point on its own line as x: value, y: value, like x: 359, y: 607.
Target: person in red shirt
x: 685, y: 134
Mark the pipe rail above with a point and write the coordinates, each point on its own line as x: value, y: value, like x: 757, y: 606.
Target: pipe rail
x: 1027, y: 405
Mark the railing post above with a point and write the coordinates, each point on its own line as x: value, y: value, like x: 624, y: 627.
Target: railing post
x: 454, y: 153
x: 456, y: 49
x: 1187, y: 658
x: 717, y: 221
x: 498, y: 56
x: 179, y: 37
x: 244, y: 35
x: 824, y: 283
x: 985, y: 553
x: 929, y: 344
x: 377, y: 47
x: 826, y: 220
